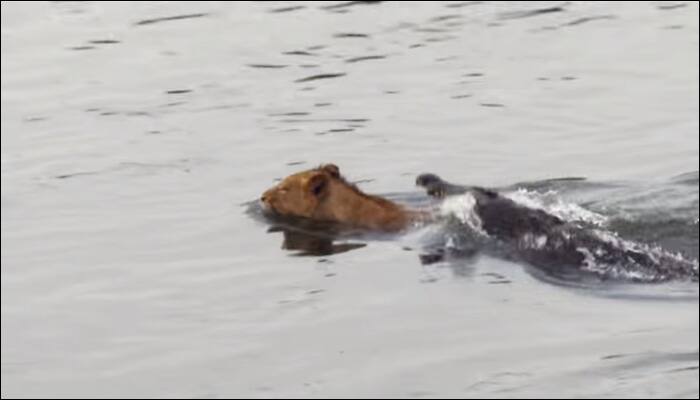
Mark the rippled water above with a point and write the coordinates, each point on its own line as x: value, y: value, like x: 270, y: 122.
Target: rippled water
x: 135, y: 136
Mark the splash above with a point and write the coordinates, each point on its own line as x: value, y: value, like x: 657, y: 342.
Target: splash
x: 463, y: 208
x: 583, y: 241
x: 640, y: 262
x: 555, y: 205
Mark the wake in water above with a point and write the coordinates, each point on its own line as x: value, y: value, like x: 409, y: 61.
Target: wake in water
x: 562, y: 244
x: 554, y: 235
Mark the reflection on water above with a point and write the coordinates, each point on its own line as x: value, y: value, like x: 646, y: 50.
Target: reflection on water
x: 305, y: 244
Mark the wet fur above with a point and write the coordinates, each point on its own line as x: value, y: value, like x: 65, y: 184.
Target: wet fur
x: 323, y: 194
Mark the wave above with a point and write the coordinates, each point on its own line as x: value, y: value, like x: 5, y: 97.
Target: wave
x: 583, y: 242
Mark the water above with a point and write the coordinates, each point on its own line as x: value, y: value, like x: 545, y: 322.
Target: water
x: 134, y: 137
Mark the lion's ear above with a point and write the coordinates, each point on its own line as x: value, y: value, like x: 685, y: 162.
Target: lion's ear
x: 317, y: 184
x: 332, y: 170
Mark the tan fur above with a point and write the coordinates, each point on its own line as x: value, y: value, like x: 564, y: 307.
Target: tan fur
x: 322, y: 194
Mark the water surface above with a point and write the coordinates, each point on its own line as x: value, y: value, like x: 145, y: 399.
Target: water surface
x: 134, y: 136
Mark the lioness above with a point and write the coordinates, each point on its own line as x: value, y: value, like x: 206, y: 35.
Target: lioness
x: 323, y: 194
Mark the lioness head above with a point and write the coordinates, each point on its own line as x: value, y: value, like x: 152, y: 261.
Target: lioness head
x: 322, y: 194
x: 302, y: 193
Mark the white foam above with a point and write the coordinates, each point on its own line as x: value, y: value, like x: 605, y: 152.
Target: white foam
x: 657, y: 254
x: 591, y: 264
x: 463, y: 208
x: 531, y: 241
x: 553, y: 204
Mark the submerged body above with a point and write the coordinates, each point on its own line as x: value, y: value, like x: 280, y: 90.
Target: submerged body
x: 550, y: 243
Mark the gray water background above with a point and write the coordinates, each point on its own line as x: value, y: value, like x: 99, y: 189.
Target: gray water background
x: 130, y: 141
